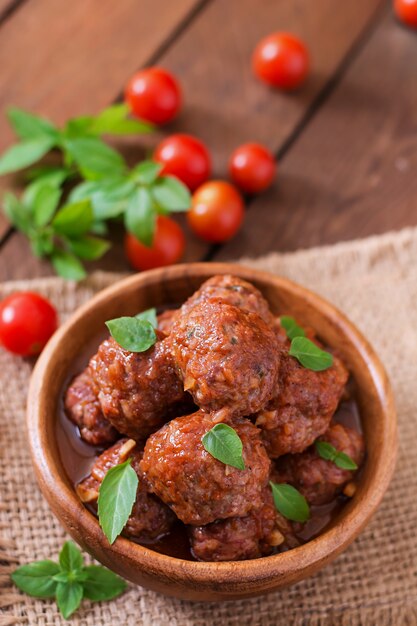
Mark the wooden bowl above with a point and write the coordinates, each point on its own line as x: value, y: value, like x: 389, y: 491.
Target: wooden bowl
x: 197, y: 580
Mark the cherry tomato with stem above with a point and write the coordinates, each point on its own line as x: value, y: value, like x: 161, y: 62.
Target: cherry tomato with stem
x: 216, y: 212
x: 27, y: 321
x: 153, y: 94
x: 185, y: 157
x: 281, y: 60
x: 252, y: 167
x: 167, y: 247
x: 406, y: 11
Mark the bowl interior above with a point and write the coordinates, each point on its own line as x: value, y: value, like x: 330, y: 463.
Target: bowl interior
x: 187, y: 579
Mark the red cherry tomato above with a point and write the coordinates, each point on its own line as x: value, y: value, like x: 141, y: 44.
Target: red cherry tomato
x: 167, y: 248
x: 216, y: 212
x: 406, y: 11
x: 185, y: 157
x: 153, y: 94
x: 27, y: 321
x: 252, y: 167
x: 281, y: 60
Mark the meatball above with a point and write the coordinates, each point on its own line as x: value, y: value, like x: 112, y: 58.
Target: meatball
x: 166, y: 320
x: 317, y: 479
x: 231, y: 290
x: 239, y: 538
x: 138, y: 391
x: 199, y: 488
x: 304, y: 404
x: 150, y: 518
x: 228, y: 358
x: 83, y: 408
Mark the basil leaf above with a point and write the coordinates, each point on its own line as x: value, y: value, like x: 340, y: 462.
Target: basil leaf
x: 102, y: 584
x: 150, y: 316
x: 116, y: 497
x: 42, y: 242
x: 140, y: 217
x: 132, y: 334
x: 53, y: 174
x: 95, y: 158
x: 70, y: 557
x: 68, y: 597
x: 74, y: 219
x: 67, y: 265
x: 29, y: 126
x: 310, y: 355
x: 146, y: 172
x: 16, y: 213
x: 171, y: 194
x: 108, y: 197
x: 23, y: 154
x: 344, y: 461
x: 45, y: 201
x: 328, y: 452
x: 35, y: 579
x: 115, y: 121
x: 78, y: 127
x: 225, y: 445
x: 89, y: 248
x: 290, y: 502
x: 291, y: 327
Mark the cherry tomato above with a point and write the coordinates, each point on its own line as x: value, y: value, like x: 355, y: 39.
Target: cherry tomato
x: 153, y: 94
x: 216, y: 212
x: 252, y: 167
x: 281, y: 60
x: 185, y: 157
x: 27, y: 321
x: 167, y: 248
x: 406, y: 11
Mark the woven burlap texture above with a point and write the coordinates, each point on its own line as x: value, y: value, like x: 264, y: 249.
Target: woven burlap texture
x: 373, y: 583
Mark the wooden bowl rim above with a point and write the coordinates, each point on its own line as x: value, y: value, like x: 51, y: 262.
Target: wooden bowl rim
x: 293, y: 562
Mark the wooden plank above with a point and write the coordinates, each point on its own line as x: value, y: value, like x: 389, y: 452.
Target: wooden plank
x: 224, y: 104
x: 63, y: 59
x: 353, y: 171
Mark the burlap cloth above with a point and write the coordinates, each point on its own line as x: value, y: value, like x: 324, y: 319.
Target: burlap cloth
x: 374, y: 582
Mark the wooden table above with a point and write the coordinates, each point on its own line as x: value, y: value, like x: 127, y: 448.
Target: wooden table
x: 346, y: 143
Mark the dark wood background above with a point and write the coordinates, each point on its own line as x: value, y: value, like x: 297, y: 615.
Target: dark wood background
x: 346, y: 143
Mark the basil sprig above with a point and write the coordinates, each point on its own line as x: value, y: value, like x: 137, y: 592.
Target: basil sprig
x: 149, y: 316
x: 116, y: 497
x: 326, y: 451
x: 225, y: 445
x: 290, y: 502
x: 132, y: 333
x: 292, y: 329
x: 68, y: 581
x: 309, y: 355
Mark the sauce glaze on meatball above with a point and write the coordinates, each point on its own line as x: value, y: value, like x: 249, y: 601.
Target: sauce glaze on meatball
x: 228, y: 358
x: 199, y: 488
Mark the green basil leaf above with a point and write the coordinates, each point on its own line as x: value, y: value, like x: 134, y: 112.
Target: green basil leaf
x: 291, y: 327
x: 117, y: 495
x: 102, y: 584
x: 70, y: 557
x: 35, y: 579
x: 132, y: 334
x: 74, y: 219
x: 95, y: 158
x: 78, y: 127
x: 17, y: 213
x: 67, y: 265
x: 140, y: 216
x: 290, y: 502
x: 150, y: 316
x: 225, y: 445
x: 146, y: 172
x: 45, y: 199
x: 24, y: 154
x: 68, y: 597
x: 89, y: 248
x: 115, y: 121
x: 29, y: 126
x: 108, y: 198
x: 325, y: 450
x: 54, y: 174
x: 42, y: 242
x: 171, y: 194
x: 310, y: 355
x: 344, y: 461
